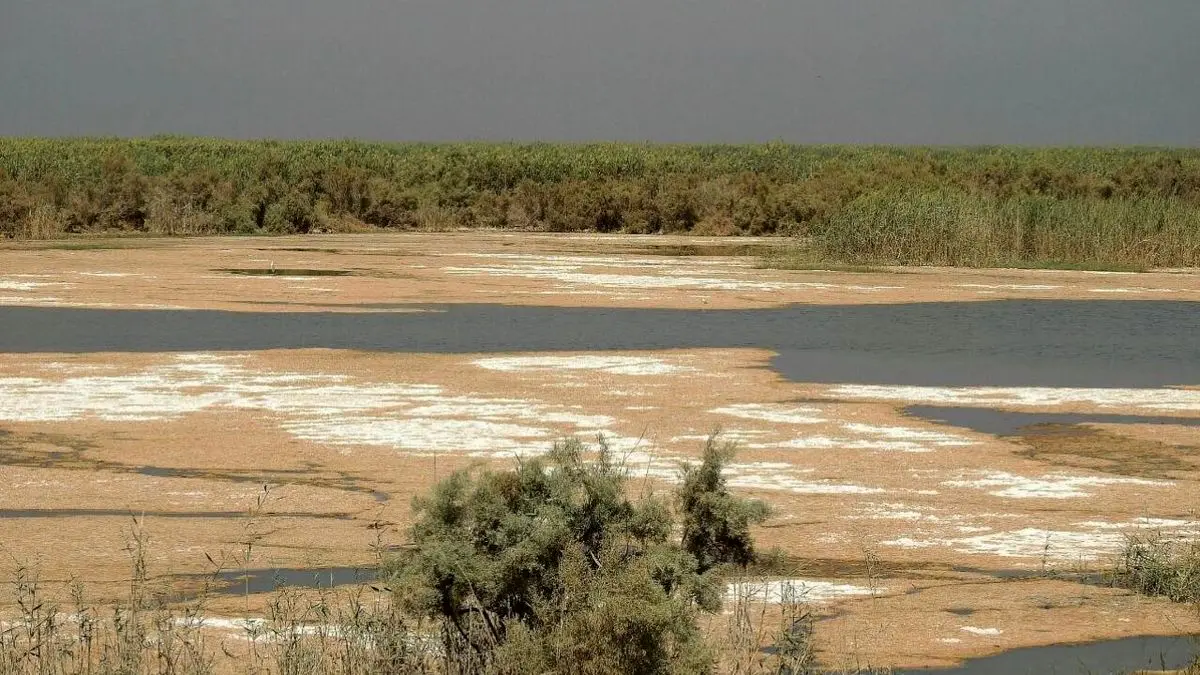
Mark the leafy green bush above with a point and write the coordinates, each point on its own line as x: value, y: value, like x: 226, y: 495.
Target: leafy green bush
x: 552, y: 567
x: 293, y: 213
x: 716, y: 524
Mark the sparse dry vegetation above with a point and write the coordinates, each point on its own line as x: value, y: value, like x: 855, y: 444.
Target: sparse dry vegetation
x: 1094, y: 208
x: 1156, y: 565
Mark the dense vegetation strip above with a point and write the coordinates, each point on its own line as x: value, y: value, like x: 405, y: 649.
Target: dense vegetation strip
x: 962, y: 206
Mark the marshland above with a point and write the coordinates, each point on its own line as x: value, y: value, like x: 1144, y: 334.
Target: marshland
x: 668, y: 336
x: 244, y: 454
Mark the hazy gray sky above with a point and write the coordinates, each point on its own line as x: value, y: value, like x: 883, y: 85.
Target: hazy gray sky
x: 867, y: 71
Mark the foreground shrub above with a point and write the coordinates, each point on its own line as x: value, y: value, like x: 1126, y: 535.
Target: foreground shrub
x: 553, y: 567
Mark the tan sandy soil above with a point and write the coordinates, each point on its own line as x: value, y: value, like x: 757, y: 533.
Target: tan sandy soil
x: 894, y: 519
x: 927, y: 625
x: 524, y: 269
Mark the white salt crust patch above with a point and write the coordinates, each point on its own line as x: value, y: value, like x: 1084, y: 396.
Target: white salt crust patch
x: 1032, y: 543
x: 614, y: 365
x: 770, y: 476
x: 636, y: 281
x: 788, y: 483
x: 740, y: 436
x: 427, y: 435
x: 1151, y: 399
x: 11, y: 284
x: 1048, y: 486
x: 926, y: 525
x: 321, y: 408
x: 335, y: 410
x: 1011, y: 287
x: 577, y: 261
x: 937, y: 438
x: 864, y: 436
x: 793, y: 591
x: 1176, y: 527
x: 975, y: 534
x: 721, y: 275
x: 771, y: 412
x: 44, y: 301
x: 26, y: 300
x: 256, y: 629
x: 1094, y: 539
x: 871, y: 437
x: 927, y: 515
x: 980, y: 631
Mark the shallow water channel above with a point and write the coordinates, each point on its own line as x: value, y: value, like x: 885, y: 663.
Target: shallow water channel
x: 1014, y: 423
x: 1094, y: 658
x: 1001, y: 343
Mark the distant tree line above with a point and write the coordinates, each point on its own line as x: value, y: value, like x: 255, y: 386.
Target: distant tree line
x: 988, y: 205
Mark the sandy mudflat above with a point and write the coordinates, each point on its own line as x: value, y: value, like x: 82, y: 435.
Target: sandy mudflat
x: 382, y: 271
x: 948, y: 518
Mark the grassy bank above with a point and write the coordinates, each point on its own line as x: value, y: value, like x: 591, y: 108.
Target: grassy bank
x: 855, y: 205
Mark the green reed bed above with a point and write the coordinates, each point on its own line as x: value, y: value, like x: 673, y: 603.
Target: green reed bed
x: 852, y: 205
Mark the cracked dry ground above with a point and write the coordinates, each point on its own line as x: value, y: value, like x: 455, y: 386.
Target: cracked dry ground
x: 900, y: 524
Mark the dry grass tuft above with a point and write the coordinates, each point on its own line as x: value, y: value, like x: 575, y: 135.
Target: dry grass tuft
x: 1156, y: 565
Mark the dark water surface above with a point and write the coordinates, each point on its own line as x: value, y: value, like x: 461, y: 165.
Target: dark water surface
x: 253, y: 581
x: 1000, y: 343
x: 1096, y: 658
x: 1009, y: 423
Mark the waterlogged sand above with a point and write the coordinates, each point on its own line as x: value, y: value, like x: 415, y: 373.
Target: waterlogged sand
x: 894, y: 521
x: 389, y: 271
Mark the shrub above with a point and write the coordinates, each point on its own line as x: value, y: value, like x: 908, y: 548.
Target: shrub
x: 293, y: 213
x: 553, y: 567
x: 716, y: 524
